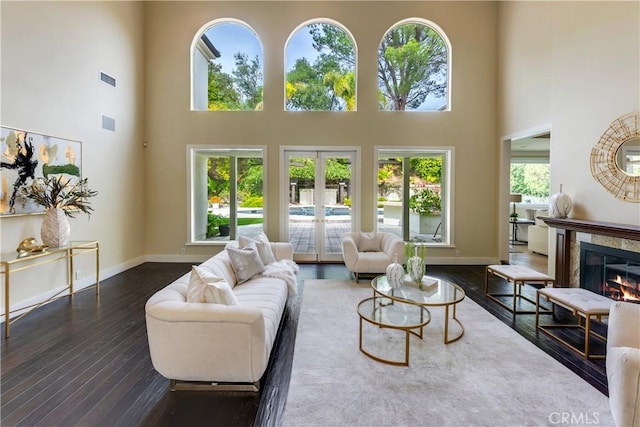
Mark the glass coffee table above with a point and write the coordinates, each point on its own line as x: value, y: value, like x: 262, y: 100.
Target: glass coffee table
x: 387, y: 313
x: 433, y: 293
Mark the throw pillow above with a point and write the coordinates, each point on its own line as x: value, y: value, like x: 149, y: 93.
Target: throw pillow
x: 246, y: 262
x: 263, y: 247
x: 209, y: 288
x: 369, y: 243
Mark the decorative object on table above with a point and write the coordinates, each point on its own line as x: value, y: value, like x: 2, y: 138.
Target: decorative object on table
x: 395, y: 273
x: 560, y: 204
x: 27, y: 156
x: 514, y: 198
x: 415, y: 253
x: 614, y: 159
x: 61, y: 199
x: 29, y: 246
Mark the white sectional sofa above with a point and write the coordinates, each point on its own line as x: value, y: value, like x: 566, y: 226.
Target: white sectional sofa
x: 228, y: 345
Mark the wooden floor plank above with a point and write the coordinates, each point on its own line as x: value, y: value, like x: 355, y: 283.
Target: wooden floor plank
x: 85, y: 360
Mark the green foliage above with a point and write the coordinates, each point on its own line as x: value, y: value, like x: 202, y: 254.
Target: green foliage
x: 425, y: 202
x: 242, y: 90
x: 68, y: 169
x: 58, y: 192
x: 219, y: 173
x: 531, y: 179
x: 328, y: 83
x: 247, y: 77
x: 251, y: 176
x: 347, y: 201
x: 428, y: 169
x: 252, y: 202
x: 214, y: 222
x: 415, y: 248
x: 222, y: 95
x: 412, y: 63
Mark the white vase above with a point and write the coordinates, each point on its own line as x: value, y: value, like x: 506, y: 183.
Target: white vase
x: 55, y: 229
x: 415, y: 269
x: 395, y: 274
x: 560, y: 205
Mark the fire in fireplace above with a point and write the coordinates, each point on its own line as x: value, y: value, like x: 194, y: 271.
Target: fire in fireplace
x: 611, y: 272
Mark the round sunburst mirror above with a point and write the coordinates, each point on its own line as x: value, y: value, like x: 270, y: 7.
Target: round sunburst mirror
x: 615, y: 159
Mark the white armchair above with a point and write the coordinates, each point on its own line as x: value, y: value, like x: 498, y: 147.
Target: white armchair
x: 623, y: 363
x: 538, y: 234
x: 371, y: 252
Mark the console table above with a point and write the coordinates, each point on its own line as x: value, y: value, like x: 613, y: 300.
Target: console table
x: 11, y: 263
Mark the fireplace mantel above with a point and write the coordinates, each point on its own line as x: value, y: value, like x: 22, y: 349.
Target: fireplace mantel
x: 565, y: 226
x: 623, y: 231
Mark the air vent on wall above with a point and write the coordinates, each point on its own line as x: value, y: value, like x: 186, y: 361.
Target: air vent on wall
x: 108, y: 123
x: 107, y: 79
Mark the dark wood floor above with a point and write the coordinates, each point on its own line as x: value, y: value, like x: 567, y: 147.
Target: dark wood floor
x: 85, y: 360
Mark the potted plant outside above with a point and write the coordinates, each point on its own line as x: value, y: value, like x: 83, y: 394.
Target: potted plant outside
x: 426, y: 208
x: 217, y: 225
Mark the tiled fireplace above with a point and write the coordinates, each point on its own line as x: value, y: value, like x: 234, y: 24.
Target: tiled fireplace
x: 611, y: 272
x: 592, y: 254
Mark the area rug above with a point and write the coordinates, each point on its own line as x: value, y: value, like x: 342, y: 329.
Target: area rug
x: 490, y: 377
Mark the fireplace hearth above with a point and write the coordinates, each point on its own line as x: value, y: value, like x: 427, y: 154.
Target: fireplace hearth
x: 611, y: 272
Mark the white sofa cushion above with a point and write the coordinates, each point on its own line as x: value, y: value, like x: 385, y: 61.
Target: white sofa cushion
x: 263, y: 246
x: 208, y: 288
x: 246, y: 262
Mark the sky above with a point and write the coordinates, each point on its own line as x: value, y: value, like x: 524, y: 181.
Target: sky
x: 230, y: 38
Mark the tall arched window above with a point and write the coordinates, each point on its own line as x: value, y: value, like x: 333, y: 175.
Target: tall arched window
x: 320, y: 64
x: 414, y: 68
x: 226, y: 67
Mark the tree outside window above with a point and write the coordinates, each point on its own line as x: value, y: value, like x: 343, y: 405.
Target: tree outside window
x: 321, y: 69
x: 412, y: 69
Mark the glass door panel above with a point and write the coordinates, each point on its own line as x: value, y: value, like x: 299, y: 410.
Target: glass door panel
x: 319, y: 209
x: 337, y: 183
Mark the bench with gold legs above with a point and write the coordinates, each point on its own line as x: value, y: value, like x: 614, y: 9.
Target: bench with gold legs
x: 584, y: 305
x: 518, y: 275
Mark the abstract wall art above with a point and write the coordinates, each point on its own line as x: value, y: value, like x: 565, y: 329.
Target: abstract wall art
x: 26, y: 156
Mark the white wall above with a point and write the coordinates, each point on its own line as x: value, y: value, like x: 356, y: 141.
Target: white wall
x: 470, y: 126
x: 52, y: 54
x: 576, y: 66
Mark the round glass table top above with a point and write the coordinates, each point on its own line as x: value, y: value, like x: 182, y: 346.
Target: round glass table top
x: 433, y: 292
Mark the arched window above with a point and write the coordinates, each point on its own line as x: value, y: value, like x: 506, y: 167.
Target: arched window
x: 226, y: 67
x: 320, y: 64
x: 414, y: 68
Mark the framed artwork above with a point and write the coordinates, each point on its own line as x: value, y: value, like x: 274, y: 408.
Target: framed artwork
x: 26, y: 156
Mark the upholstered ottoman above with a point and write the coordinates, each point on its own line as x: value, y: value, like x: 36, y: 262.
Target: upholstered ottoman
x: 583, y: 304
x: 518, y: 275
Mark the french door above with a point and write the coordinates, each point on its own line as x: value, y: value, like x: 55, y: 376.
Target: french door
x: 319, y: 209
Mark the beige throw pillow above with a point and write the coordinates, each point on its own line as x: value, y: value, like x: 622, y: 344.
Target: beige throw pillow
x: 246, y: 262
x: 207, y: 287
x: 369, y: 243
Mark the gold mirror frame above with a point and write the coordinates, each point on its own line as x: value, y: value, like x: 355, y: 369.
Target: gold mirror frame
x: 603, y: 158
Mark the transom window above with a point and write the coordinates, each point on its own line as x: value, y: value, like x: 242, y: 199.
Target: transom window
x: 413, y: 68
x: 320, y: 69
x: 227, y: 68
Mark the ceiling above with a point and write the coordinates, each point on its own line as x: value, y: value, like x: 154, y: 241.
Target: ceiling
x: 532, y: 147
